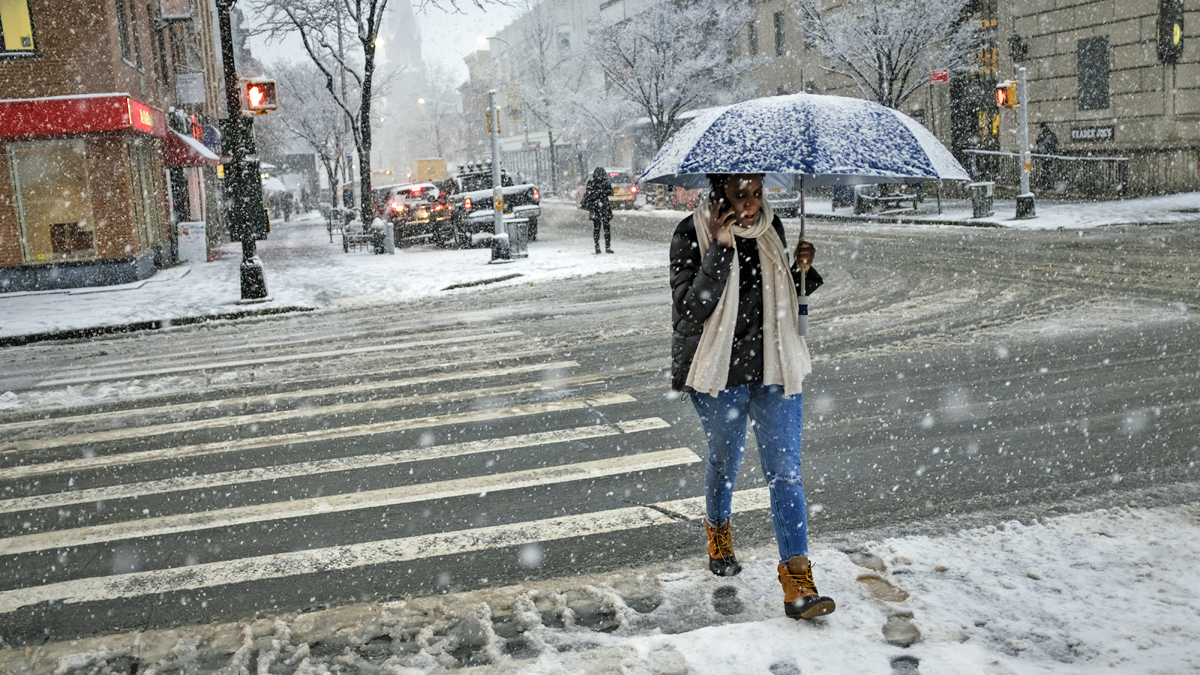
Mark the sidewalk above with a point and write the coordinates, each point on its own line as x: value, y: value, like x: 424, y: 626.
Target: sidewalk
x: 1051, y: 215
x: 304, y: 272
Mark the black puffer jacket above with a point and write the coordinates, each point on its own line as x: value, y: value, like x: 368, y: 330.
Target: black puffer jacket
x: 595, y: 197
x: 696, y: 287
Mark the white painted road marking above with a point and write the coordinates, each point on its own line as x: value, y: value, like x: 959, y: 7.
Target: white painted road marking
x: 286, y: 395
x: 340, y: 558
x: 306, y: 356
x: 57, y: 499
x: 353, y: 501
x: 315, y: 435
x: 280, y: 415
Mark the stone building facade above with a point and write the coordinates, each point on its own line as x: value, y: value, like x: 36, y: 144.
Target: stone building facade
x: 1103, y: 86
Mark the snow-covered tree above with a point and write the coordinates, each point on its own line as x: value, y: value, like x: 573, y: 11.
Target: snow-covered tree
x: 888, y: 47
x: 676, y: 56
x: 543, y: 70
x: 340, y: 38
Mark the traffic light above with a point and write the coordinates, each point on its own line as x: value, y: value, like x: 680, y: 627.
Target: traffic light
x: 1006, y: 94
x: 1170, y: 31
x: 258, y: 96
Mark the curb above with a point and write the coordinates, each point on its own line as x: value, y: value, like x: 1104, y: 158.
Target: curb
x: 98, y: 331
x: 901, y: 220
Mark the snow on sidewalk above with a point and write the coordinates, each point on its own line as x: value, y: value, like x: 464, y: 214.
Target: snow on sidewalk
x: 303, y: 269
x: 1105, y: 591
x: 1051, y: 214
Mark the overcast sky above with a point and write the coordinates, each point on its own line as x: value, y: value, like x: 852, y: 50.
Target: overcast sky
x: 445, y: 37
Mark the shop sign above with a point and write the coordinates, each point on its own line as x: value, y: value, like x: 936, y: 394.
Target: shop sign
x: 1092, y: 134
x: 140, y: 116
x: 939, y: 76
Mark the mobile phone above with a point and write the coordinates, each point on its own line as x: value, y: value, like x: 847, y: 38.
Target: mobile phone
x: 720, y: 205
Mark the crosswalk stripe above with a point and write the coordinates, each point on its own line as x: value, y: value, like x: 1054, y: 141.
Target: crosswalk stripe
x: 353, y: 501
x: 314, y: 435
x: 108, y: 435
x: 287, y: 395
x: 307, y: 356
x: 340, y: 558
x: 181, y: 483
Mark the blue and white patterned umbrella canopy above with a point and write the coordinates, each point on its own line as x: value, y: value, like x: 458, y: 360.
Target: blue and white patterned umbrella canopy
x: 826, y: 140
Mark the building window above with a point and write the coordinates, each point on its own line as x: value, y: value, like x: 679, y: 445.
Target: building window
x: 16, y: 28
x: 564, y: 43
x: 54, y: 202
x: 1093, y: 73
x: 122, y: 29
x: 779, y: 37
x: 752, y: 32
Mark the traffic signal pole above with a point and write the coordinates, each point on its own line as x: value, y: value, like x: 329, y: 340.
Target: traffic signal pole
x: 244, y: 202
x: 500, y: 245
x: 1025, y: 202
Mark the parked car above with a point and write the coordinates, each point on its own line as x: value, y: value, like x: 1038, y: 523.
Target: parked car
x: 785, y: 203
x: 624, y: 189
x: 471, y: 202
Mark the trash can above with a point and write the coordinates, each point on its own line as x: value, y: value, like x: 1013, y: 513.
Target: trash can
x: 981, y: 199
x: 518, y: 237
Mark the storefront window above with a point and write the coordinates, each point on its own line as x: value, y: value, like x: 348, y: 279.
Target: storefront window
x: 146, y: 190
x: 54, y: 202
x: 16, y: 28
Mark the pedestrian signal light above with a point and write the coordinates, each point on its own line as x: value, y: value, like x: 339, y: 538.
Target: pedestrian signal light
x: 1006, y: 94
x: 258, y: 96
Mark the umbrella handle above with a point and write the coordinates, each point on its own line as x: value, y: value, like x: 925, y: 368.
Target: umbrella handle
x: 803, y: 327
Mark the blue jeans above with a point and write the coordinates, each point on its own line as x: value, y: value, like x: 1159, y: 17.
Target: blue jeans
x: 778, y: 421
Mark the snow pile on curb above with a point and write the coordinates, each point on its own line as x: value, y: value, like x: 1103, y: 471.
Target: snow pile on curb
x: 1112, y: 590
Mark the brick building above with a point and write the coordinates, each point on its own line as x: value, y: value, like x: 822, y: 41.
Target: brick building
x: 85, y: 142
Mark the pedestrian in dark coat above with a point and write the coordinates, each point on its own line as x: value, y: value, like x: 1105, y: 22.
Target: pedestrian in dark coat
x: 737, y: 352
x: 595, y: 202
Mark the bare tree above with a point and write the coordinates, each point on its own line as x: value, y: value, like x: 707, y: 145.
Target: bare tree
x: 318, y: 122
x: 340, y: 37
x: 888, y: 47
x: 544, y: 68
x: 676, y: 56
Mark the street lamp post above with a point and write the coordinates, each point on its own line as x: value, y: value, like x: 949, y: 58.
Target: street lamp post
x: 242, y: 171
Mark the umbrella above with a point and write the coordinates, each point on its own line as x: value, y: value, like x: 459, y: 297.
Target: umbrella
x: 804, y: 140
x: 273, y: 185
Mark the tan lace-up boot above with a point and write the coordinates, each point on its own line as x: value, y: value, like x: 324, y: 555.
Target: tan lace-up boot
x: 800, y: 597
x: 721, y: 560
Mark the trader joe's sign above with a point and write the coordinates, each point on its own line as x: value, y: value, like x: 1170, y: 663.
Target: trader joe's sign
x: 1086, y: 134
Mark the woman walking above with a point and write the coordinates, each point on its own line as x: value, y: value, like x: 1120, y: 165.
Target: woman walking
x: 595, y: 202
x: 736, y: 351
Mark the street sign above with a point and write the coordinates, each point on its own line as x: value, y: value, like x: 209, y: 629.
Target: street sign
x: 939, y: 76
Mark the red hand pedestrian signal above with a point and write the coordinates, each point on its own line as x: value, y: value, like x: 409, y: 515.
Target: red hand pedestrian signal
x: 1006, y: 94
x: 259, y: 96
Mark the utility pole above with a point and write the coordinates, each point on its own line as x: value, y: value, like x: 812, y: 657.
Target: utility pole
x: 1025, y: 203
x: 246, y: 216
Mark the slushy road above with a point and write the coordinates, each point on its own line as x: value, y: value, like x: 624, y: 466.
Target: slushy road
x: 528, y: 432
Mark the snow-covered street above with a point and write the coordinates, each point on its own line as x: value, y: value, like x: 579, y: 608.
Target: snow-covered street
x: 1109, y: 590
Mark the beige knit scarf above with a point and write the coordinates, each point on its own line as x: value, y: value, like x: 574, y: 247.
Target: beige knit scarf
x: 785, y: 353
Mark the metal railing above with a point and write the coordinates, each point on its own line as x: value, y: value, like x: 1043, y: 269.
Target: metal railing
x: 1075, y: 176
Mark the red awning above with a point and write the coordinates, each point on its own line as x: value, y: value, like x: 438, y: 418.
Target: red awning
x: 183, y: 150
x: 89, y: 113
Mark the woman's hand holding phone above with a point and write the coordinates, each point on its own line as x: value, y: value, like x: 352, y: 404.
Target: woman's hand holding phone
x: 719, y: 219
